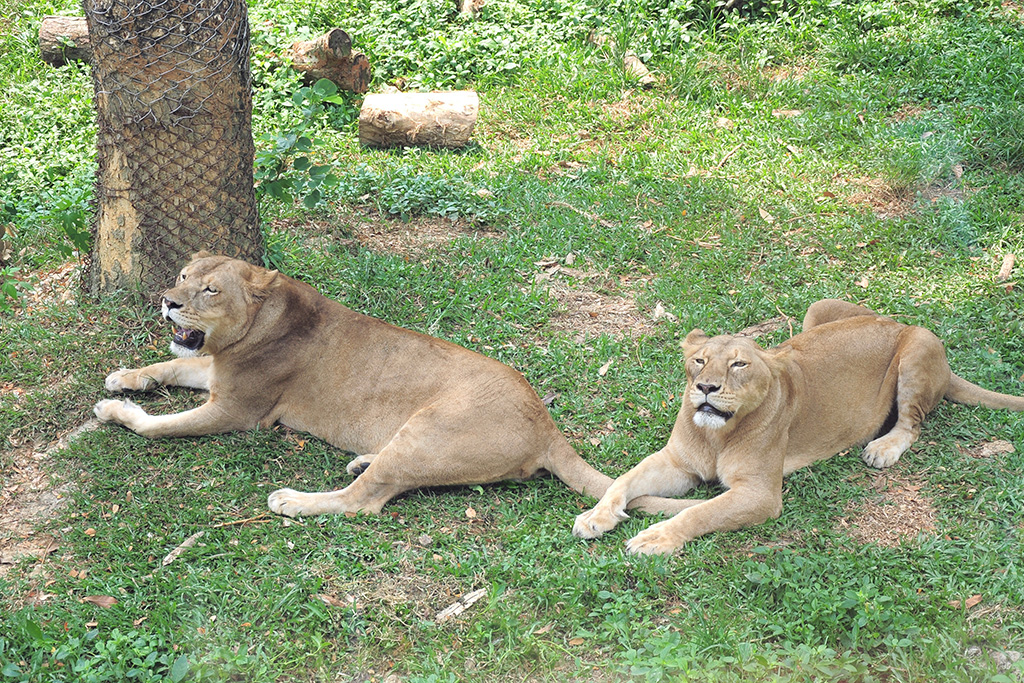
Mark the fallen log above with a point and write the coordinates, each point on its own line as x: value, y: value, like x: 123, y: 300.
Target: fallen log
x: 418, y: 119
x: 63, y: 40
x: 330, y: 56
x: 630, y: 62
x: 66, y: 39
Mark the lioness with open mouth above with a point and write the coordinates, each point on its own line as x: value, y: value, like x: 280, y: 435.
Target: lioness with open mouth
x: 750, y: 416
x: 420, y: 411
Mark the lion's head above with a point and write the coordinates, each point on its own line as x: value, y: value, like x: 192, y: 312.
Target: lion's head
x: 727, y: 377
x: 213, y: 303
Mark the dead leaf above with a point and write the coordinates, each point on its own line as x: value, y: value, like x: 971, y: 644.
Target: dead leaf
x: 460, y: 605
x: 543, y: 629
x: 185, y: 545
x: 1006, y: 268
x: 972, y: 601
x: 104, y: 601
x: 576, y: 641
x: 330, y: 600
x: 767, y: 217
x: 603, y: 370
x: 786, y: 113
x: 988, y: 449
x: 90, y: 532
x: 549, y: 398
x: 470, y: 513
x: 863, y: 282
x: 660, y: 312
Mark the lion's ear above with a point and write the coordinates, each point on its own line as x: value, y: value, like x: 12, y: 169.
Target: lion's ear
x: 262, y: 282
x: 201, y: 254
x: 694, y: 341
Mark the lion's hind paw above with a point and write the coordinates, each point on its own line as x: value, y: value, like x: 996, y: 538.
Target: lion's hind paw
x: 654, y: 540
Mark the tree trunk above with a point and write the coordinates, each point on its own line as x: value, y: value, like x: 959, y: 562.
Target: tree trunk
x: 174, y: 139
x: 63, y: 40
x: 330, y: 56
x: 426, y: 119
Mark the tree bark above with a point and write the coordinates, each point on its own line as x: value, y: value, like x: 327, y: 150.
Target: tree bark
x: 330, y: 56
x: 174, y: 139
x: 435, y: 119
x: 63, y: 40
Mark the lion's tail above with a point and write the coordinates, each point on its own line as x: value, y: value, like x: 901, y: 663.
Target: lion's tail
x: 962, y: 391
x: 565, y: 463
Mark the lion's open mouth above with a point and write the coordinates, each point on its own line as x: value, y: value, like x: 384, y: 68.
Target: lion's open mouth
x: 189, y: 339
x: 711, y: 410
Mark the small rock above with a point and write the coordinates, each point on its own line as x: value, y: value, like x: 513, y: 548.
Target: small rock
x: 425, y: 540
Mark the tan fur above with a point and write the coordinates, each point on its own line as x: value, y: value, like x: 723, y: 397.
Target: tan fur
x: 824, y: 390
x: 419, y: 410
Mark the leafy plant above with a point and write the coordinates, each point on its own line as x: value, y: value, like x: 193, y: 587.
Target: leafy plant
x: 91, y: 658
x: 283, y: 168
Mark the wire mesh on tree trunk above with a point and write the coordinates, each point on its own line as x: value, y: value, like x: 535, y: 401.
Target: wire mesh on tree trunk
x: 174, y: 138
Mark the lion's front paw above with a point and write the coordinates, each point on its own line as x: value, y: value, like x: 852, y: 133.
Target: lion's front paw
x: 657, y: 539
x: 114, y: 410
x: 128, y: 380
x: 596, y: 521
x: 288, y: 502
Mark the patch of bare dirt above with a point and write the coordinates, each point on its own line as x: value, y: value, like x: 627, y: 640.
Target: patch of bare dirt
x: 391, y: 235
x: 885, y: 200
x: 907, y: 111
x: 1013, y: 10
x: 594, y: 303
x: 787, y: 73
x: 29, y: 498
x: 894, y: 513
x: 888, y: 201
x: 50, y: 286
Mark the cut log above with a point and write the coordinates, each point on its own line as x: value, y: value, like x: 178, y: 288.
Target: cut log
x: 418, y: 119
x: 470, y: 7
x: 630, y: 62
x: 63, y: 40
x: 330, y: 56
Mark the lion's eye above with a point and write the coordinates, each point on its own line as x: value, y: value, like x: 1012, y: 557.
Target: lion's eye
x: 739, y: 364
x: 210, y: 289
x: 699, y: 361
x: 183, y: 276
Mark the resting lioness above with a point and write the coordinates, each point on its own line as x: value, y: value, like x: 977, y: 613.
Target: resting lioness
x: 750, y: 416
x: 419, y: 410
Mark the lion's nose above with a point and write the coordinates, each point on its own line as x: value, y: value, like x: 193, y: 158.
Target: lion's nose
x: 708, y: 388
x: 171, y: 304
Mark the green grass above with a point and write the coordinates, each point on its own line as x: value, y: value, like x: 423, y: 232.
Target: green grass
x: 898, y: 185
